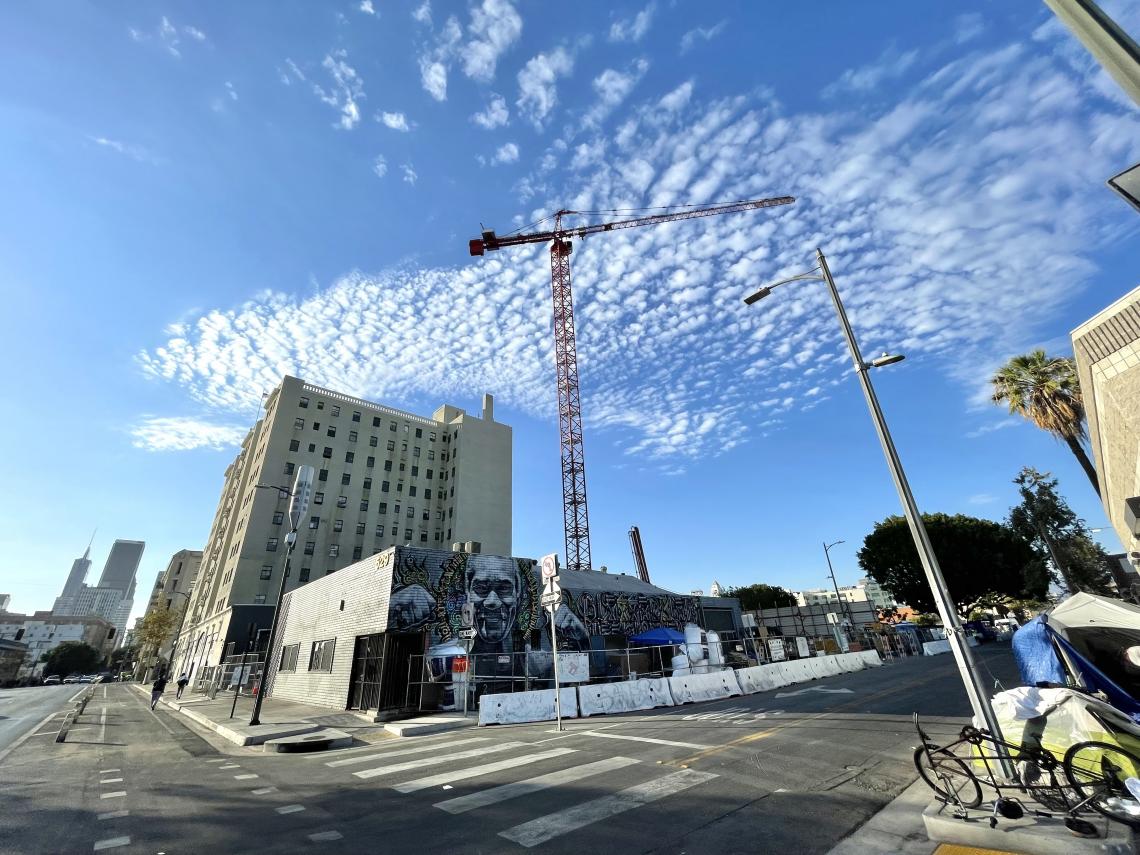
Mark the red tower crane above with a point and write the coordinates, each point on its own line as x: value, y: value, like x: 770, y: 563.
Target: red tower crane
x: 576, y: 520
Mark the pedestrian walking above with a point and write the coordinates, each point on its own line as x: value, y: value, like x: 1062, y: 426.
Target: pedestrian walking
x: 182, y: 681
x: 156, y: 690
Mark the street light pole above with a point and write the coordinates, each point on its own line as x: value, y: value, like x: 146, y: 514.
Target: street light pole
x: 843, y: 608
x: 975, y: 688
x: 298, y: 506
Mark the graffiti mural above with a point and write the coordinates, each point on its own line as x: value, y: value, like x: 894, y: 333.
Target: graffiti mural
x: 619, y: 613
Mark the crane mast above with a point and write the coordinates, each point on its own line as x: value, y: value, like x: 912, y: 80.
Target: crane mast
x: 575, y: 516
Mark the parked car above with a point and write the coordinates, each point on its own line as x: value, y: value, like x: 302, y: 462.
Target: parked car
x: 53, y: 680
x: 71, y: 678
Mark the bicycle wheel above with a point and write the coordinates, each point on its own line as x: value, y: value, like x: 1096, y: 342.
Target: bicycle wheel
x: 945, y: 773
x: 1098, y: 772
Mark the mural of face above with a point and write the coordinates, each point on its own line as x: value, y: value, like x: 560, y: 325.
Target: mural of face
x: 493, y: 586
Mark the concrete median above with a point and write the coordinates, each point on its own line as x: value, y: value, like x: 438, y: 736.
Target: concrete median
x: 703, y: 687
x: 627, y: 696
x: 521, y: 707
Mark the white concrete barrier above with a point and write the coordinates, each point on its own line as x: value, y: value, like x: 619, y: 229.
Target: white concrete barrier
x: 703, y: 687
x: 761, y: 678
x: 518, y: 707
x: 829, y: 666
x: 626, y: 696
x: 798, y: 671
x: 871, y: 657
x: 850, y: 662
x: 933, y: 648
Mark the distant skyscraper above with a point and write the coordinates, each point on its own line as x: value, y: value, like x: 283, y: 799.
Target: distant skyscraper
x: 122, y: 564
x: 113, y: 598
x: 78, y: 574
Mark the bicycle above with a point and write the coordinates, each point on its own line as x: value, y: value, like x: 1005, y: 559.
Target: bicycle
x: 1100, y: 776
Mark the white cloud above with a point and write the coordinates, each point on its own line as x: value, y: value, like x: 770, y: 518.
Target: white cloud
x: 538, y: 92
x: 689, y: 40
x: 194, y: 33
x: 678, y: 98
x: 168, y: 35
x: 131, y: 150
x: 632, y: 29
x: 366, y: 7
x: 494, y: 27
x: 1004, y: 424
x: 380, y: 166
x: 507, y: 153
x: 347, y: 89
x: 968, y: 26
x: 890, y: 65
x: 422, y: 13
x: 612, y: 87
x: 982, y: 499
x: 231, y: 91
x: 928, y: 264
x: 395, y: 121
x: 495, y: 115
x: 410, y: 176
x: 157, y: 433
x: 290, y: 72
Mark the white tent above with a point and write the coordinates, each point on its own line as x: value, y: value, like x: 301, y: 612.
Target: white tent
x: 1090, y: 611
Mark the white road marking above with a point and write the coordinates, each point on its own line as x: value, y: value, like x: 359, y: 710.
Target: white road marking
x: 103, y: 721
x: 263, y: 790
x: 219, y: 760
x: 436, y: 739
x: 419, y: 749
x: 230, y: 766
x: 114, y: 814
x: 290, y: 808
x: 25, y: 737
x: 118, y: 794
x: 645, y: 739
x: 75, y: 697
x: 111, y: 781
x: 246, y: 777
x: 476, y: 771
x: 462, y: 804
x: 815, y: 689
x: 108, y: 771
x: 437, y: 760
x: 322, y: 836
x: 555, y: 824
x: 104, y: 693
x: 112, y: 842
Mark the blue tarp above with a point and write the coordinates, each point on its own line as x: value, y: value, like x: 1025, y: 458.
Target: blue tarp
x: 661, y: 635
x: 1036, y: 659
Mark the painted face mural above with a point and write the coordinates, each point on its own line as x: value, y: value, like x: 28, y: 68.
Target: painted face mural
x: 493, y: 585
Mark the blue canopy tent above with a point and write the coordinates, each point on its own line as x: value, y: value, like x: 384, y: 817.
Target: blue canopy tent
x: 660, y: 635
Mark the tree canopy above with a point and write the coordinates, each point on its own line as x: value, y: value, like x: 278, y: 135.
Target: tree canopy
x: 155, y: 628
x: 978, y: 558
x: 761, y: 596
x: 71, y: 657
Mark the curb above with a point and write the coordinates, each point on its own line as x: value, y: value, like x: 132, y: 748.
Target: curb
x: 236, y: 736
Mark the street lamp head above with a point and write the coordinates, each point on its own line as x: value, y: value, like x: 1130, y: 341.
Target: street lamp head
x: 758, y: 296
x: 886, y: 359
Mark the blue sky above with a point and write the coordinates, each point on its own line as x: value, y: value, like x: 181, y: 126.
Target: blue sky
x: 201, y: 198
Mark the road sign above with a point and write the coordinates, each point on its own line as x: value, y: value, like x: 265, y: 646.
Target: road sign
x: 551, y: 598
x: 549, y: 566
x: 467, y: 633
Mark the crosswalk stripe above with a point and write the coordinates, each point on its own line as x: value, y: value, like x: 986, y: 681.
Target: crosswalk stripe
x: 494, y: 795
x: 476, y: 771
x: 552, y: 825
x: 437, y: 760
x: 419, y: 749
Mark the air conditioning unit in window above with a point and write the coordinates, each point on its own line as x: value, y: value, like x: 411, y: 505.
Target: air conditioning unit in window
x: 1132, y: 515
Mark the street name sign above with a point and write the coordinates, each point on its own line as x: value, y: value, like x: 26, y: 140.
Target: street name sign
x: 467, y: 633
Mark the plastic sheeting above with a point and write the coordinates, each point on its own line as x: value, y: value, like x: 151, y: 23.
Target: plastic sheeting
x: 1034, y: 654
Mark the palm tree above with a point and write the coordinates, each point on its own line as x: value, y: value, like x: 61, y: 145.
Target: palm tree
x: 1045, y: 391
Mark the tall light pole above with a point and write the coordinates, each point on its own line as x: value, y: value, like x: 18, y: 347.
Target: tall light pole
x: 975, y: 687
x: 843, y: 609
x: 298, y: 507
x: 181, y: 623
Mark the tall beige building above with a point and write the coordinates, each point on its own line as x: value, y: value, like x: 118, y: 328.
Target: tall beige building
x: 1107, y: 349
x: 171, y: 590
x: 384, y: 478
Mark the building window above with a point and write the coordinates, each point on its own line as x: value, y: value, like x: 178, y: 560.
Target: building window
x: 338, y: 525
x: 403, y: 448
x: 279, y: 517
x: 423, y: 537
x: 314, y: 522
x: 271, y: 545
x: 303, y: 403
x: 427, y: 493
x: 431, y: 436
x: 342, y: 502
x: 395, y: 530
x: 429, y: 474
x: 349, y: 456
x: 431, y: 454
x: 407, y: 534
x: 331, y: 431
x: 419, y: 433
x: 405, y: 428
x: 427, y: 515
x: 320, y: 405
x: 373, y: 441
x: 415, y: 471
x: 383, y: 507
x: 259, y: 599
x: 399, y: 486
x: 327, y: 453
x: 360, y: 528
x: 412, y: 490
x: 357, y: 551
x: 294, y: 445
x: 312, y: 447
x: 323, y: 475
x: 380, y: 530
x: 318, y: 498
x: 396, y: 509
x: 387, y: 465
x: 310, y: 547
x: 370, y: 462
x: 384, y: 487
x: 289, y: 657
x: 317, y: 425
x: 321, y: 656
x: 352, y: 436
x: 304, y: 575
x: 411, y: 511
x: 367, y: 483
x: 266, y: 571
x: 364, y: 505
x: 356, y: 416
x: 335, y: 410
x: 334, y: 550
x: 391, y: 445
x: 345, y: 479
x: 375, y: 421
x: 392, y: 427
x: 298, y: 423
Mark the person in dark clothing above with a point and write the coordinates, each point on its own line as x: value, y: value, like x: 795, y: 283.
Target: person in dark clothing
x: 182, y: 681
x: 156, y: 690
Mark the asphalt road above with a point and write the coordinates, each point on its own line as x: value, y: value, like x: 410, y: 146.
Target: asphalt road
x: 22, y: 708
x: 789, y: 771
